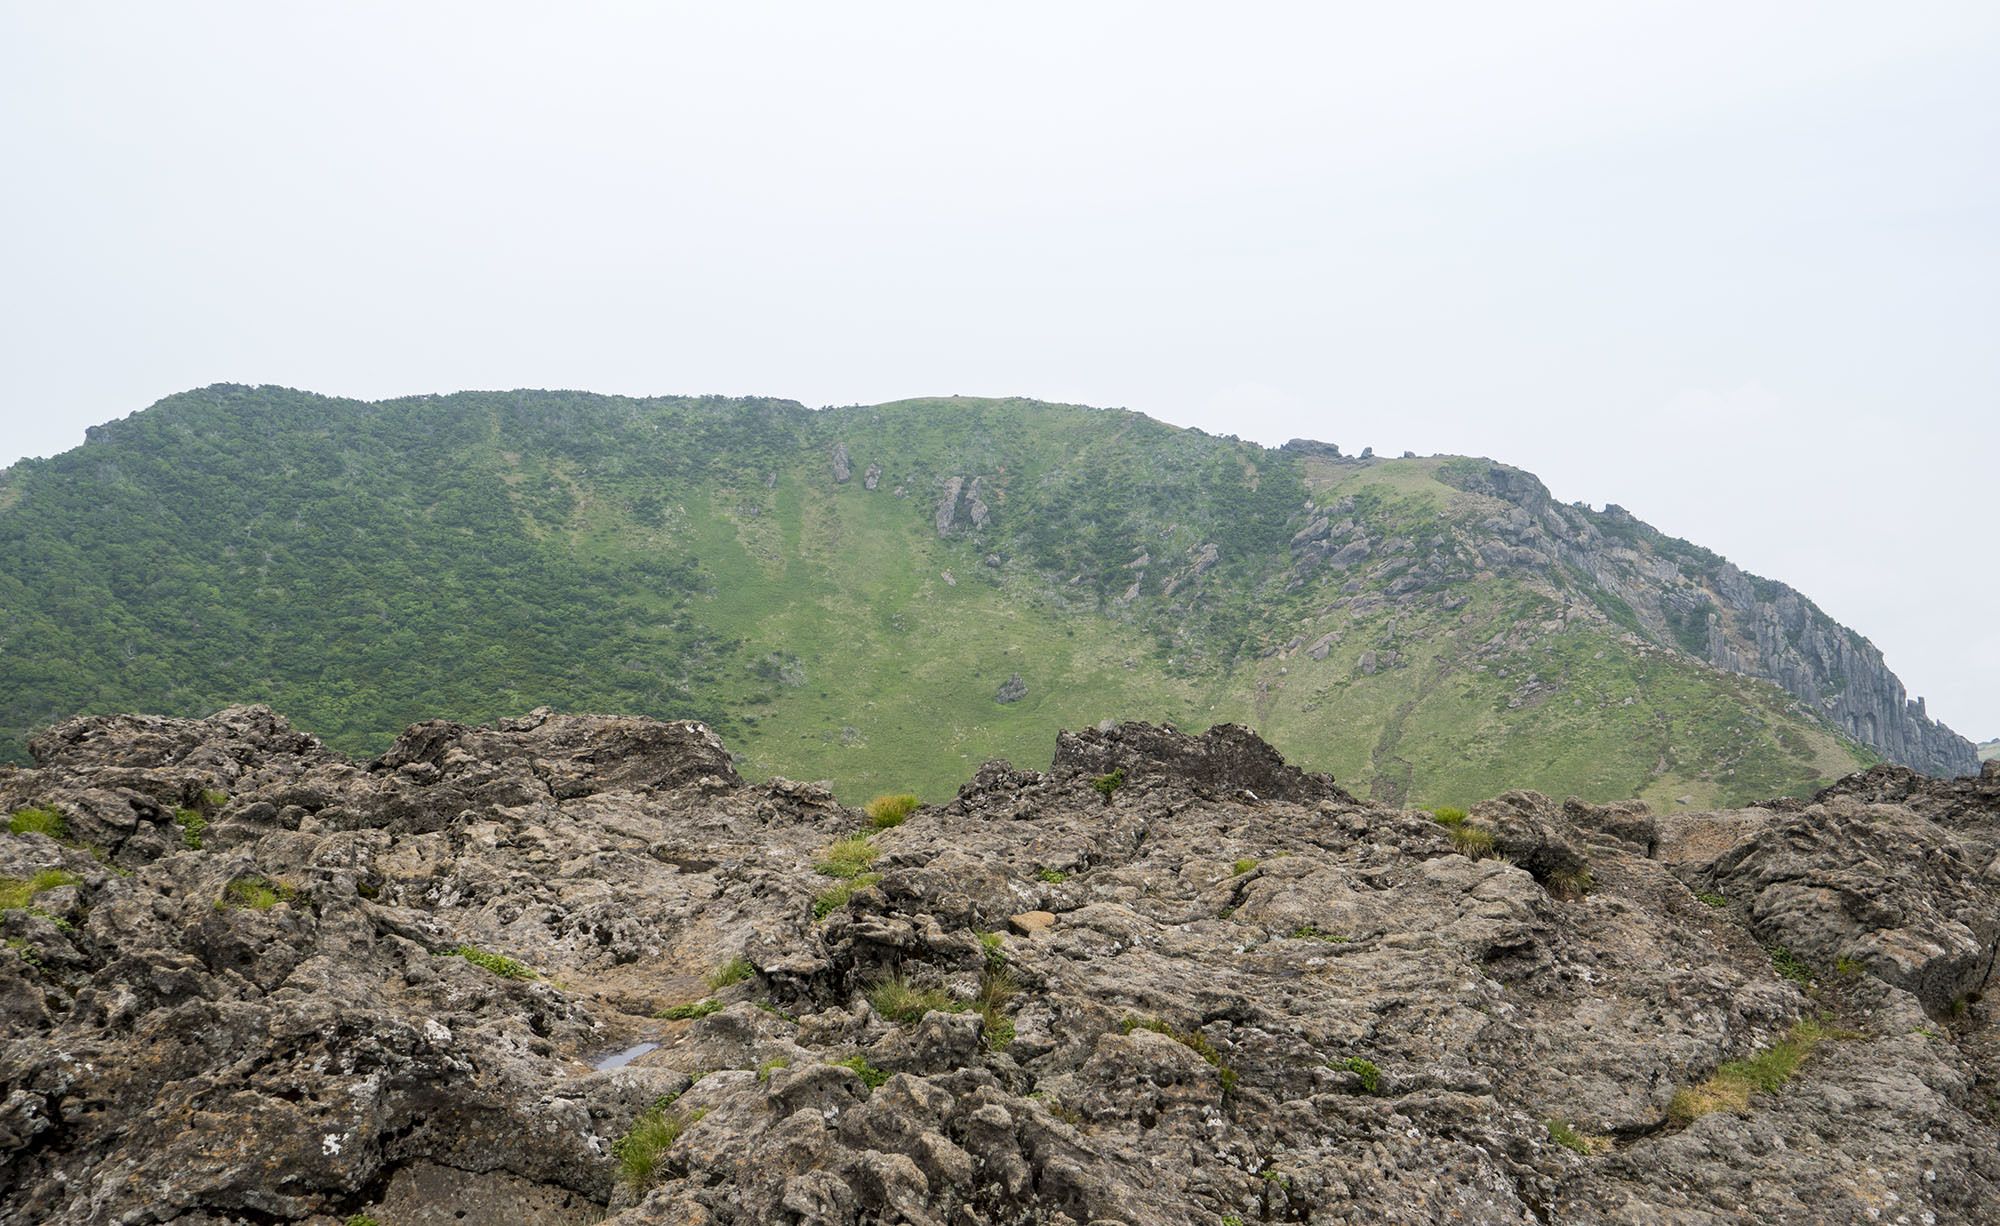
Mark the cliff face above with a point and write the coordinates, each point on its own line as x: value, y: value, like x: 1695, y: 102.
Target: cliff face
x: 572, y: 969
x: 1684, y: 596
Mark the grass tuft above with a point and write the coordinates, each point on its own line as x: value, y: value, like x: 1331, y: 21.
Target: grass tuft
x: 1054, y: 876
x: 1570, y: 883
x: 34, y: 820
x: 192, y: 823
x: 885, y: 812
x: 1368, y: 1071
x: 642, y: 1151
x: 1474, y: 841
x: 497, y: 964
x: 895, y: 999
x: 1445, y: 815
x: 770, y: 1066
x: 1791, y: 966
x: 838, y: 895
x: 691, y: 1010
x: 736, y: 970
x: 254, y: 893
x: 1567, y: 1135
x: 1766, y: 1071
x: 848, y: 857
x: 871, y: 1076
x: 1243, y: 866
x: 16, y: 892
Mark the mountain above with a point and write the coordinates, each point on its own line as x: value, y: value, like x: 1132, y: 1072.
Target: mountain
x: 1989, y: 750
x: 884, y: 596
x: 574, y: 969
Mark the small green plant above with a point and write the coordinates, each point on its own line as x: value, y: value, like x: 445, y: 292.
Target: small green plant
x: 770, y: 1066
x: 994, y: 947
x: 192, y: 823
x: 1790, y: 965
x: 1848, y: 968
x: 848, y: 857
x: 29, y: 953
x: 15, y: 892
x: 497, y: 964
x: 892, y: 810
x: 1570, y: 883
x: 642, y: 1151
x: 1231, y: 1219
x: 1713, y: 900
x: 871, y: 1076
x: 1369, y: 1074
x: 838, y: 895
x: 1107, y: 785
x: 895, y: 999
x: 1306, y: 932
x: 34, y: 820
x: 363, y: 1219
x: 1193, y: 1040
x: 212, y: 799
x: 1243, y: 866
x: 736, y: 970
x: 997, y: 987
x: 254, y: 893
x: 1277, y: 1178
x: 1567, y: 1135
x: 1054, y: 876
x: 1733, y: 1083
x: 690, y: 1011
x: 1473, y: 841
x: 1445, y: 815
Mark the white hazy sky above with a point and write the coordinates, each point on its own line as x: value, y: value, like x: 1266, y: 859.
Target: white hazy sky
x: 1734, y: 266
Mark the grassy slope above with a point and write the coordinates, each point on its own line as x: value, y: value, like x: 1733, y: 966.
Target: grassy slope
x: 473, y: 556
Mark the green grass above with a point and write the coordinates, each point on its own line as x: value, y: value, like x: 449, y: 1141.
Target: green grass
x: 1054, y: 876
x: 254, y: 893
x: 1474, y: 841
x: 1791, y: 966
x: 839, y: 894
x: 848, y: 857
x: 891, y: 810
x: 768, y: 1067
x: 363, y: 1219
x: 17, y: 892
x: 1567, y: 1135
x: 1193, y: 1040
x: 1242, y: 866
x: 496, y: 964
x: 895, y: 999
x: 994, y: 946
x: 642, y: 1152
x: 1307, y: 932
x: 1448, y: 816
x: 691, y: 1010
x: 734, y: 971
x: 38, y: 821
x: 1713, y: 900
x: 1734, y: 1084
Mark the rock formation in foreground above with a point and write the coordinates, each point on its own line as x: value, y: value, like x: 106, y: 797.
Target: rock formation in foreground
x: 572, y: 969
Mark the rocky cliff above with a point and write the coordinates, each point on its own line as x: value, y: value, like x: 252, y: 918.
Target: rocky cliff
x: 1679, y: 594
x: 573, y: 969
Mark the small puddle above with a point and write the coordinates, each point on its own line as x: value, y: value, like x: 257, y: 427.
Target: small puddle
x: 623, y: 1058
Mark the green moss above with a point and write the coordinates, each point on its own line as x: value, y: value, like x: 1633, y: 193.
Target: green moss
x: 15, y: 892
x: 192, y: 823
x: 1243, y: 866
x: 1054, y: 876
x: 890, y: 810
x: 497, y: 964
x: 38, y: 821
x: 691, y: 1010
x: 363, y: 1219
x: 871, y: 1076
x: 1307, y: 932
x: 1367, y: 1071
x: 254, y: 893
x: 1713, y: 900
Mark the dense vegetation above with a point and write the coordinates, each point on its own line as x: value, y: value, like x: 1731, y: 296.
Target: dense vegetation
x: 361, y: 566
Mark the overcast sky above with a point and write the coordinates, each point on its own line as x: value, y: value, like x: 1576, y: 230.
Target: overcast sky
x: 1735, y: 267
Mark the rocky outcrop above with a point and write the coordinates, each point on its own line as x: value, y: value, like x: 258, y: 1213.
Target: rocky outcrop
x: 1013, y: 689
x: 842, y: 470
x: 871, y: 478
x: 946, y: 514
x: 573, y: 969
x: 1688, y: 598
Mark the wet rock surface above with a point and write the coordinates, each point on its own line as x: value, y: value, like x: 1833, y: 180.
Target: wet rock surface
x: 1169, y: 980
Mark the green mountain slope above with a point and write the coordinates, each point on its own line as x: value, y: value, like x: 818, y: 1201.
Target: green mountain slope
x: 1410, y: 625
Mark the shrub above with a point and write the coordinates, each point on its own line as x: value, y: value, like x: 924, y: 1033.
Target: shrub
x: 15, y: 892
x: 254, y: 893
x: 1367, y: 1071
x: 34, y: 820
x: 1472, y: 840
x: 1243, y: 866
x: 192, y: 823
x: 1445, y: 815
x: 642, y: 1151
x: 848, y: 857
x: 871, y: 1076
x: 1790, y: 965
x: 1107, y: 785
x: 736, y: 970
x: 691, y: 1010
x: 890, y: 810
x: 836, y: 896
x: 1193, y: 1040
x: 497, y: 964
x: 1569, y: 1137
